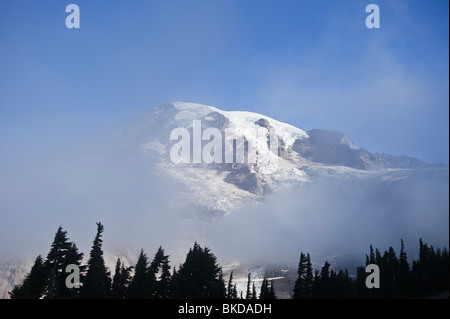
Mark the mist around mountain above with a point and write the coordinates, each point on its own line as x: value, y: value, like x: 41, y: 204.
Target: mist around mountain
x: 325, y: 195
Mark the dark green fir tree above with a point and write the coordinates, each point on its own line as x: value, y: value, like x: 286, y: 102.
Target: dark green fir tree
x: 309, y: 277
x: 138, y: 286
x: 164, y: 284
x: 300, y: 288
x: 97, y: 282
x: 121, y: 281
x: 248, y: 293
x: 265, y: 289
x: 254, y: 295
x: 62, y: 253
x: 230, y: 287
x: 199, y: 275
x: 403, y: 279
x: 33, y: 285
x: 272, y: 294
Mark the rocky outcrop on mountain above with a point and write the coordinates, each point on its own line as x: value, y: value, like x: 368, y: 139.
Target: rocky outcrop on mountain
x: 336, y: 148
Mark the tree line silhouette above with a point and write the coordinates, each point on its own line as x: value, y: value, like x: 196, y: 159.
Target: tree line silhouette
x: 200, y: 276
x: 427, y: 277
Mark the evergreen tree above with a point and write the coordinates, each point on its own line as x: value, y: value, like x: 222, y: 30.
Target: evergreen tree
x: 221, y: 290
x: 126, y: 279
x: 138, y: 286
x: 234, y: 293
x: 54, y: 264
x: 174, y: 291
x: 377, y: 293
x: 248, y: 293
x: 403, y: 279
x: 116, y: 285
x: 158, y: 260
x: 361, y: 290
x: 159, y: 289
x: 97, y: 281
x: 198, y: 277
x: 264, y: 292
x: 415, y: 282
x: 378, y: 259
x: 230, y: 287
x: 267, y: 290
x: 322, y: 283
x: 325, y: 272
x: 121, y: 281
x: 372, y: 259
x: 73, y: 257
x: 332, y: 289
x: 422, y: 271
x: 150, y: 285
x: 164, y: 285
x: 316, y: 285
x: 331, y: 284
x: 444, y: 270
x: 62, y: 253
x: 388, y: 273
x: 300, y: 288
x: 309, y: 277
x: 343, y: 285
x: 254, y: 296
x: 33, y: 286
x: 272, y: 291
x: 435, y: 257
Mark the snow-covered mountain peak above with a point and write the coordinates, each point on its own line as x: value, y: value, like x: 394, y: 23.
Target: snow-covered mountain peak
x: 192, y: 111
x: 242, y: 121
x: 221, y: 186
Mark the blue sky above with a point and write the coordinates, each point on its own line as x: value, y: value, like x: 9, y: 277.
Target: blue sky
x: 312, y: 64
